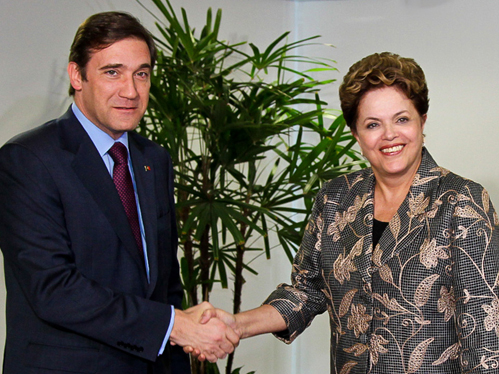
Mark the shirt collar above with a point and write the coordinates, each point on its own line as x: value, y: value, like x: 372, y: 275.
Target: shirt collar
x: 101, y: 140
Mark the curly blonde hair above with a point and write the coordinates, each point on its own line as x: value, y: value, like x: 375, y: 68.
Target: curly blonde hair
x: 381, y: 70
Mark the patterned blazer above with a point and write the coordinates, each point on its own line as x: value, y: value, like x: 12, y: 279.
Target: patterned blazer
x: 424, y: 300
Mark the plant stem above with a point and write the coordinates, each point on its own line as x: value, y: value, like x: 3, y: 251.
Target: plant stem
x: 188, y: 253
x: 238, y: 286
x: 205, y: 260
x: 205, y: 263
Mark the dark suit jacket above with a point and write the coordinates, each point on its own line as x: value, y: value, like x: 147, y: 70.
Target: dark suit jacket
x: 424, y: 300
x: 78, y: 299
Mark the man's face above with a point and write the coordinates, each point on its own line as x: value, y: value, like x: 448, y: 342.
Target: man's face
x: 115, y: 94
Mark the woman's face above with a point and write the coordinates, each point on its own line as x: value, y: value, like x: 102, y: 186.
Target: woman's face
x: 390, y: 132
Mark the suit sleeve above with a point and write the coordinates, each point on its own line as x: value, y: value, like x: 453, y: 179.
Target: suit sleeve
x: 38, y: 255
x: 475, y: 255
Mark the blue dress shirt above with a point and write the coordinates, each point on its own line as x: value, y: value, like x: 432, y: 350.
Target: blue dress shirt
x: 103, y: 142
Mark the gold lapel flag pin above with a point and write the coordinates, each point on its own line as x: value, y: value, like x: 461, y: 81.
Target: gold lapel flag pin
x: 147, y: 168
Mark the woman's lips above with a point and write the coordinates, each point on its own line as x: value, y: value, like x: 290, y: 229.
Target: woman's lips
x: 393, y: 149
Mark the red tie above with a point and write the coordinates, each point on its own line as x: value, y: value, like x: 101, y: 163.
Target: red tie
x: 123, y: 182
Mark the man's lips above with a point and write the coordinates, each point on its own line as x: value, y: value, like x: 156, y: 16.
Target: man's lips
x: 125, y: 107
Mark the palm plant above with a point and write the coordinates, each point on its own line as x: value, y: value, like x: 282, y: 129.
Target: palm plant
x: 235, y: 125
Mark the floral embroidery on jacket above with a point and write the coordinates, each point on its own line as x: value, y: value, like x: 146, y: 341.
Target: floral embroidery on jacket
x: 424, y: 300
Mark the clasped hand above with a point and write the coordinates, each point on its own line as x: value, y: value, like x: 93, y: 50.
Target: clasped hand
x: 204, y: 332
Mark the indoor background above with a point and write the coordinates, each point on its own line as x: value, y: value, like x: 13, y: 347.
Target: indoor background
x: 455, y: 41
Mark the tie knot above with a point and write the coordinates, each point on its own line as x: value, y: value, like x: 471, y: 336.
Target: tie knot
x: 118, y: 153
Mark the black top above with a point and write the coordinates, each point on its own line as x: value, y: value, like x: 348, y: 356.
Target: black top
x: 378, y: 228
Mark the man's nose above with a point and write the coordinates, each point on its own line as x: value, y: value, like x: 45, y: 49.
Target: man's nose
x: 128, y: 89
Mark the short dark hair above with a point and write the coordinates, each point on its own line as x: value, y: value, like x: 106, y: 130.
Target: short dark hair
x: 380, y: 70
x: 100, y: 31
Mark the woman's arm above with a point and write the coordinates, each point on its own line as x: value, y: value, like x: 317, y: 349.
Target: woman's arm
x: 261, y: 320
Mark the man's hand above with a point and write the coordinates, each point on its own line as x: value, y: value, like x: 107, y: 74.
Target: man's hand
x: 212, y: 339
x: 209, y: 314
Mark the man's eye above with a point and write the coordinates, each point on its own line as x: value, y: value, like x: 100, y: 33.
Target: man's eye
x: 143, y: 74
x: 111, y: 72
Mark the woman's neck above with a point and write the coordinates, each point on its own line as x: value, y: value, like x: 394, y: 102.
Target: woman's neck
x: 389, y: 193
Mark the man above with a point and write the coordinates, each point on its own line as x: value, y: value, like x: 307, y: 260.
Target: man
x: 87, y: 226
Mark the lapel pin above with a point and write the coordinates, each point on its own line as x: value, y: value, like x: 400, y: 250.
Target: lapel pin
x: 147, y: 168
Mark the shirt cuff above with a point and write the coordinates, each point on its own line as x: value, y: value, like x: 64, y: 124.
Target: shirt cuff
x: 168, y: 332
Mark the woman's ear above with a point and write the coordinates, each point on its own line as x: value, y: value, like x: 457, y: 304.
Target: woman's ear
x: 423, y: 121
x: 354, y: 133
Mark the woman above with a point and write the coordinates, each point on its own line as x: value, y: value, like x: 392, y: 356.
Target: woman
x: 403, y: 255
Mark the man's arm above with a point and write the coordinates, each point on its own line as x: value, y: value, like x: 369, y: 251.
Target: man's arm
x: 40, y: 257
x: 40, y: 253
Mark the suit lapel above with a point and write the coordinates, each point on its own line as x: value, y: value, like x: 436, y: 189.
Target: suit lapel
x: 357, y: 209
x: 399, y: 234
x: 90, y: 168
x: 409, y: 220
x: 144, y: 179
x: 403, y: 228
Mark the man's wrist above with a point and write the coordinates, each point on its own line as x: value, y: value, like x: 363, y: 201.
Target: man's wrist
x: 168, y: 332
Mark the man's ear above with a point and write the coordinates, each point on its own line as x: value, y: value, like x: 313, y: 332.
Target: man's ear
x: 75, y: 76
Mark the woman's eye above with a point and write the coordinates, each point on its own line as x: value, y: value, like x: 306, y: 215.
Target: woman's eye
x: 372, y: 125
x: 403, y: 120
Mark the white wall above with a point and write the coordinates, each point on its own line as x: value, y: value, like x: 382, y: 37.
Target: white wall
x: 455, y: 41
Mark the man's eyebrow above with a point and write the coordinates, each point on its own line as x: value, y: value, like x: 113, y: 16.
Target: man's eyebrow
x: 111, y: 66
x: 117, y: 66
x: 145, y: 66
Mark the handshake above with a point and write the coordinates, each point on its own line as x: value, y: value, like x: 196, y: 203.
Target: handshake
x: 209, y: 334
x: 205, y: 332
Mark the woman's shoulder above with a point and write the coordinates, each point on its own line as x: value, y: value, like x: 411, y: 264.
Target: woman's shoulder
x: 349, y: 180
x: 450, y: 180
x: 347, y: 187
x: 445, y: 179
